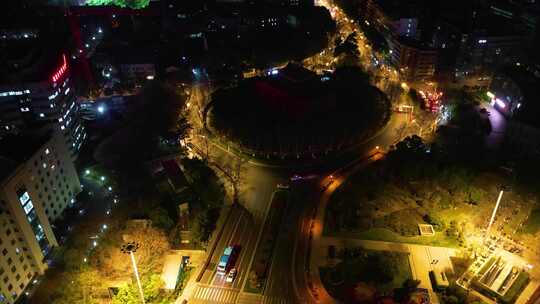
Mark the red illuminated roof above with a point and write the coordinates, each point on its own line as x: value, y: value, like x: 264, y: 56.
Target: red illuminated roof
x: 61, y: 70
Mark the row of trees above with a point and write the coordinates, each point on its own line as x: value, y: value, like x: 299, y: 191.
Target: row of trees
x: 134, y: 4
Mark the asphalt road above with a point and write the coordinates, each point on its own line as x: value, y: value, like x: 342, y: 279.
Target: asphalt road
x: 243, y: 229
x: 244, y: 225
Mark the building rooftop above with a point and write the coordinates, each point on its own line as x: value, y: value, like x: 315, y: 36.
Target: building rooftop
x: 31, y: 44
x: 17, y: 149
x: 413, y: 43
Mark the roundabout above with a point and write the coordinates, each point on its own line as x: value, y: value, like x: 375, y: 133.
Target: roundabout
x: 294, y: 114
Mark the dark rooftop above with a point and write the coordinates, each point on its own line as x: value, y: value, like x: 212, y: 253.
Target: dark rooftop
x: 31, y: 44
x: 396, y: 9
x: 413, y: 43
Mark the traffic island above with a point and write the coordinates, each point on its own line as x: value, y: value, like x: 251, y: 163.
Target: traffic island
x: 262, y: 261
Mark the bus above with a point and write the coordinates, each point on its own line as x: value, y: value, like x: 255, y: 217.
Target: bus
x: 227, y: 260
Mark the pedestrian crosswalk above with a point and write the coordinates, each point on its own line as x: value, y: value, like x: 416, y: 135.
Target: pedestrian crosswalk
x: 249, y: 298
x: 213, y: 294
x: 205, y: 294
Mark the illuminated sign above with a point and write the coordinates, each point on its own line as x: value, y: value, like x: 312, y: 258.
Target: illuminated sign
x: 61, y: 70
x: 14, y: 93
x: 500, y: 103
x: 490, y: 95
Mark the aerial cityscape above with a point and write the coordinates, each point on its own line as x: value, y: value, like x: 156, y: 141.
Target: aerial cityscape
x: 270, y: 152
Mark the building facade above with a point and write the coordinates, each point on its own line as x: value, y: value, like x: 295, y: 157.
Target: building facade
x: 49, y: 101
x: 36, y: 187
x: 416, y: 61
x: 481, y: 53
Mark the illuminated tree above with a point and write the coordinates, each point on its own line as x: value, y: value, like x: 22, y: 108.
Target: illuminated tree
x: 112, y: 263
x: 135, y: 4
x: 128, y: 294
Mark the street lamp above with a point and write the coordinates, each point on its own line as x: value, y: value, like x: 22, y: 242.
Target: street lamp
x: 130, y: 248
x: 494, y: 212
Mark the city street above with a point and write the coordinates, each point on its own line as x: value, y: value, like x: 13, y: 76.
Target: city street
x: 286, y: 281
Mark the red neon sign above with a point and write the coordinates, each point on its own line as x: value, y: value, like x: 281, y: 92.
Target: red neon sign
x: 61, y: 70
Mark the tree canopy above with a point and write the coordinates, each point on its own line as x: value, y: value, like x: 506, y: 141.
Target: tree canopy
x: 134, y: 4
x: 280, y: 116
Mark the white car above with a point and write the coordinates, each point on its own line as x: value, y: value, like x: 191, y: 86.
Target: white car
x: 283, y: 186
x: 230, y: 277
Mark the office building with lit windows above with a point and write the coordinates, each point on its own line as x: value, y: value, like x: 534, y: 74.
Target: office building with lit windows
x: 37, y: 182
x: 36, y: 88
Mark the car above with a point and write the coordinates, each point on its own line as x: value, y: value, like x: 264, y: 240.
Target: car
x: 231, y: 276
x: 283, y: 186
x: 296, y: 177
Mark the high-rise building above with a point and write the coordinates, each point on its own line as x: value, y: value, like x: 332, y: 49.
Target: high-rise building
x: 471, y: 51
x: 36, y: 87
x: 37, y: 182
x: 415, y: 60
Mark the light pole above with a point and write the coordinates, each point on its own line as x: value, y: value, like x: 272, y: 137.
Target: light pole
x: 130, y: 248
x: 494, y: 212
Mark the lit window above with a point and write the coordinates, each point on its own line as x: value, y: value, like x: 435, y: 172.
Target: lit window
x: 47, y: 151
x: 41, y: 115
x: 44, y: 165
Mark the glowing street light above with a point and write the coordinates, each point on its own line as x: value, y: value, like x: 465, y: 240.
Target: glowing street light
x: 102, y: 178
x: 87, y: 171
x: 130, y: 249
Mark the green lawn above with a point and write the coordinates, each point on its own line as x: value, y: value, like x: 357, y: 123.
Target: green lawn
x: 382, y: 271
x: 532, y: 225
x: 515, y: 290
